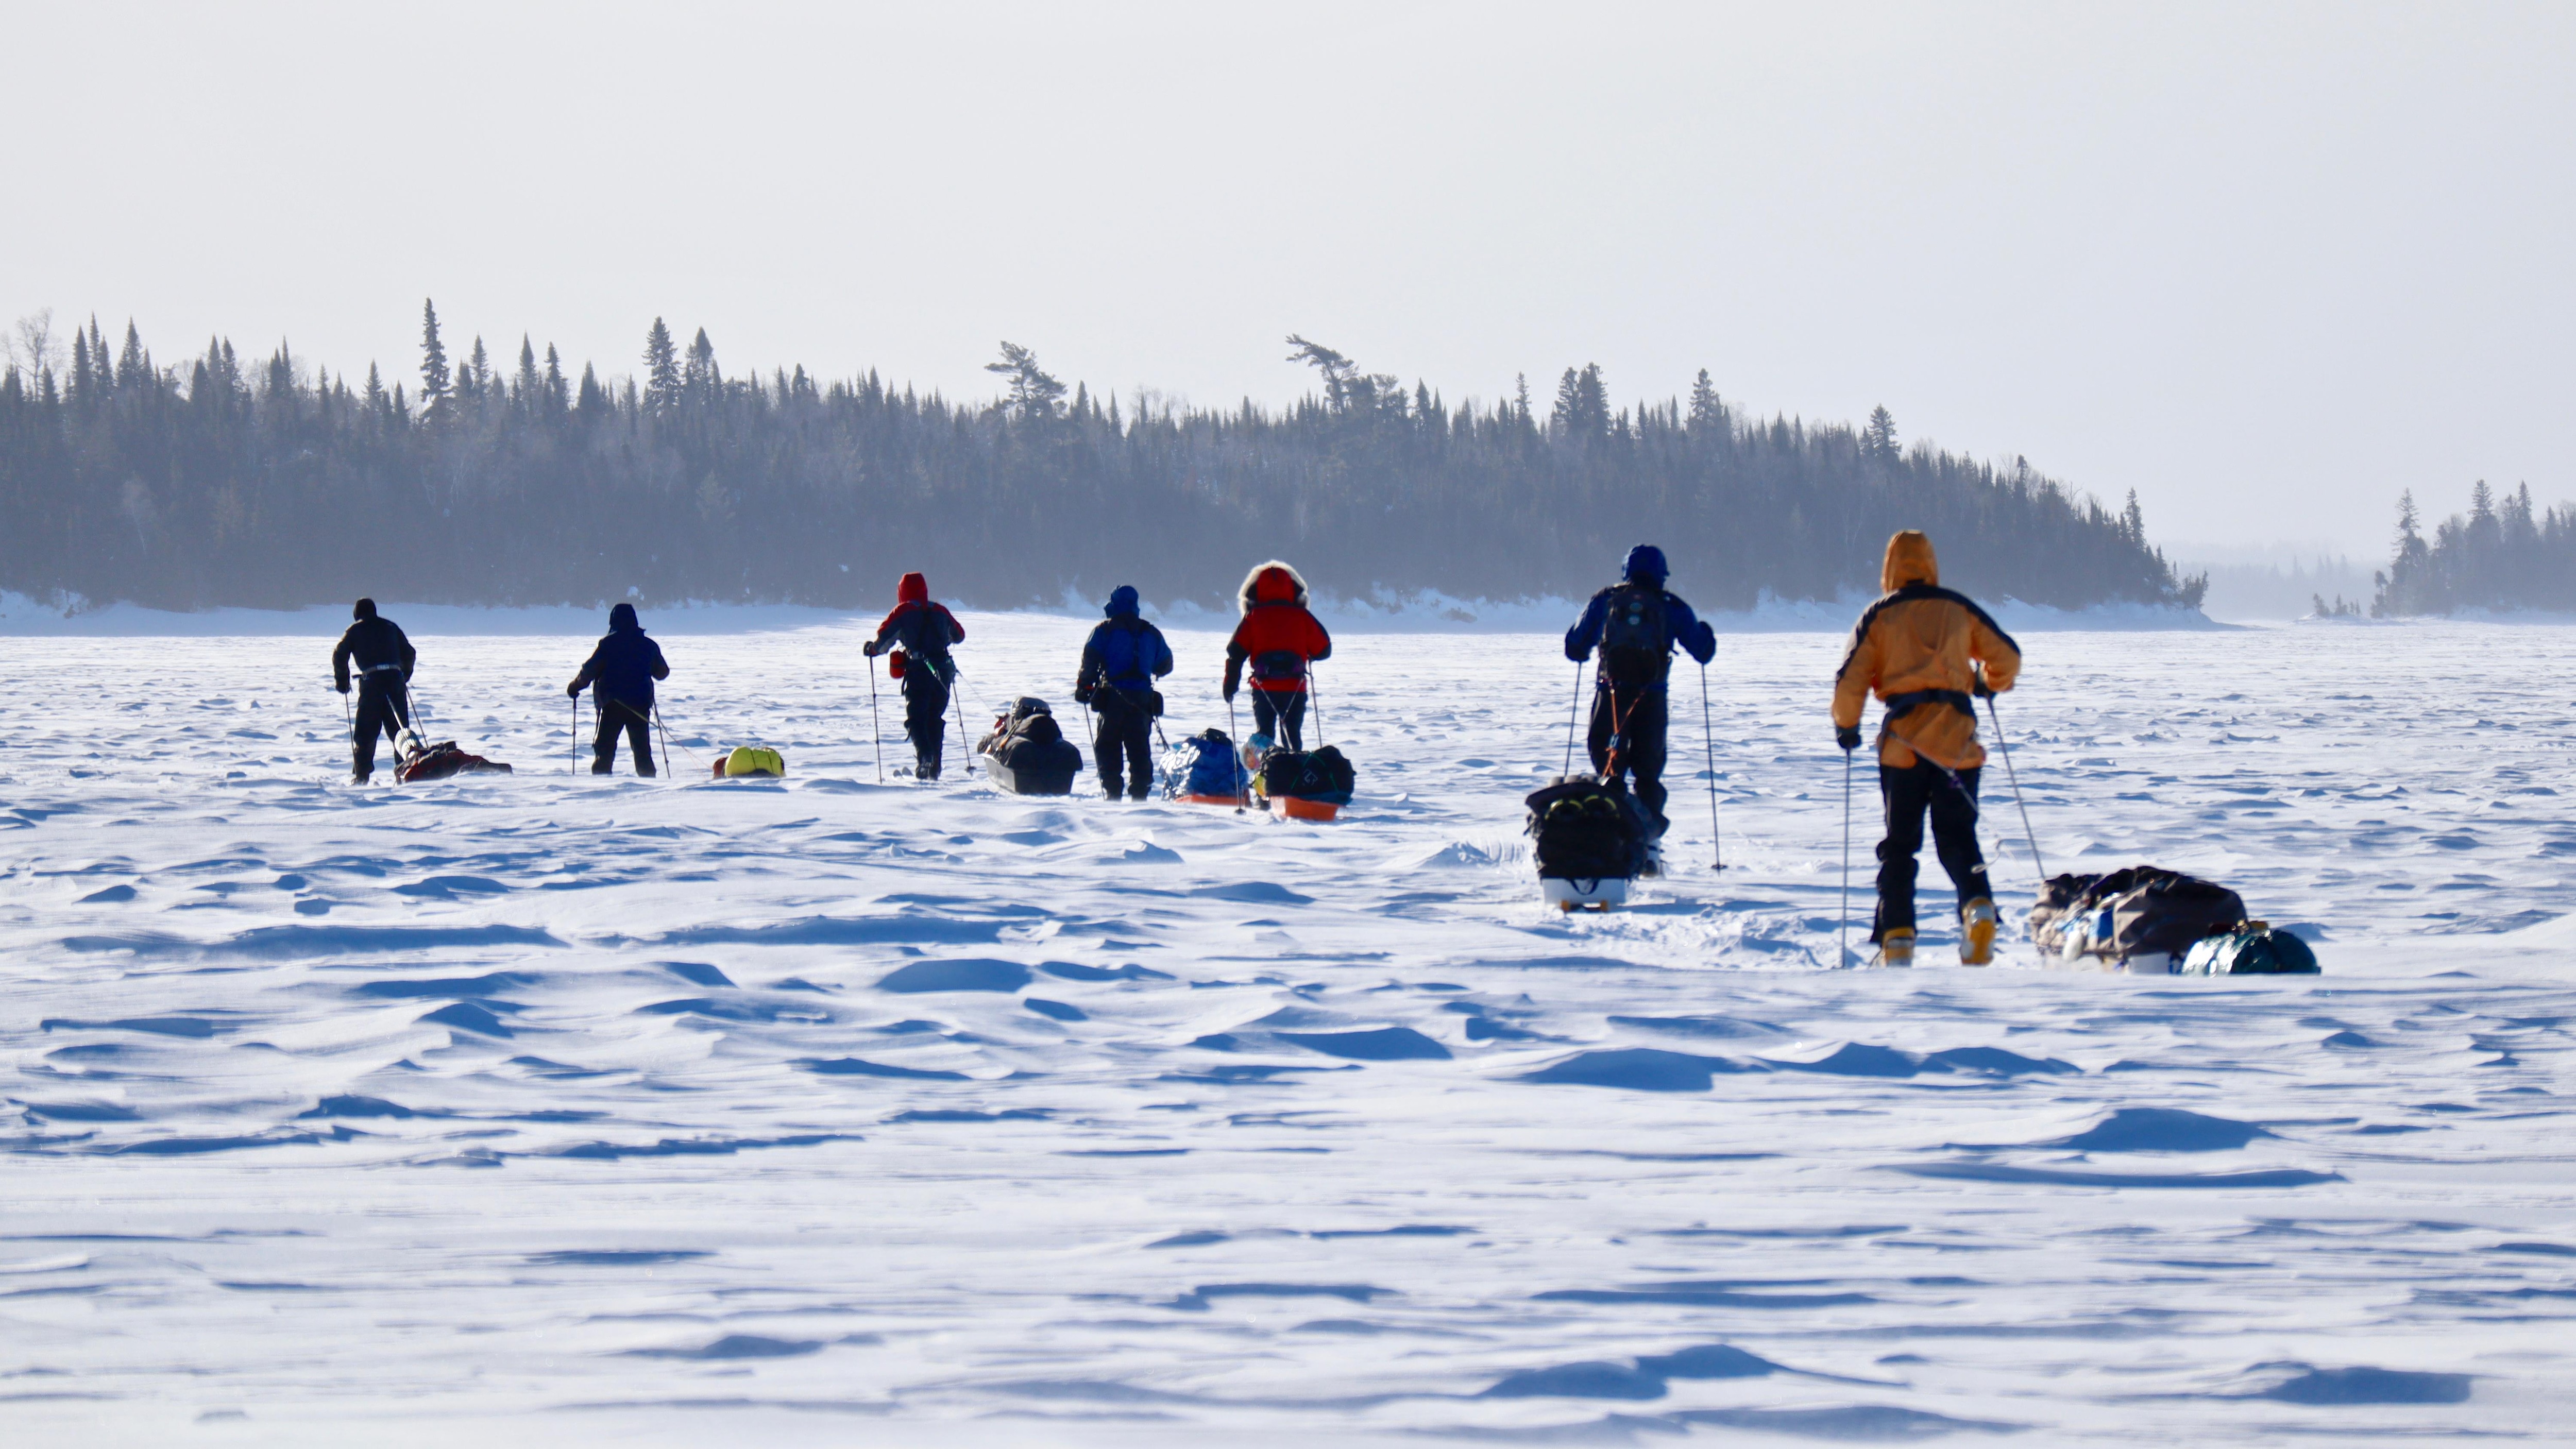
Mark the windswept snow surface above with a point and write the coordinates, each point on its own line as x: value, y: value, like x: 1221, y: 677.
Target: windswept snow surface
x: 546, y: 1109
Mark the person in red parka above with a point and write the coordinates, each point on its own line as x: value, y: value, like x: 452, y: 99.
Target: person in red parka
x: 925, y: 630
x: 1279, y: 638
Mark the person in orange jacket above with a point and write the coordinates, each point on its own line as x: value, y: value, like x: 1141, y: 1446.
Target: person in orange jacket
x: 1279, y: 638
x: 1926, y: 652
x: 925, y: 631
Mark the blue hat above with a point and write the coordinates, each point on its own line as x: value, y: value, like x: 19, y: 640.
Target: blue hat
x: 1645, y: 561
x: 1122, y: 602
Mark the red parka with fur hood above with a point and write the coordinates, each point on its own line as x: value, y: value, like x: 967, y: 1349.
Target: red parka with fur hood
x: 1278, y: 636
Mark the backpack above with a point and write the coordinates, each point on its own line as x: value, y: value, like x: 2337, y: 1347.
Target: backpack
x: 2253, y: 949
x: 1636, y: 640
x: 1128, y: 653
x: 1583, y: 829
x: 1205, y: 764
x: 2139, y: 909
x: 1029, y: 738
x: 443, y: 759
x: 1322, y: 775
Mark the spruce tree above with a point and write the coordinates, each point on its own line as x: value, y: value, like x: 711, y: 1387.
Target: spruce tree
x: 1878, y: 438
x: 661, y: 370
x: 433, y: 356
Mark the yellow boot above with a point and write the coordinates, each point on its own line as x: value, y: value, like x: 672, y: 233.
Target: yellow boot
x: 1896, y: 948
x: 1977, y: 932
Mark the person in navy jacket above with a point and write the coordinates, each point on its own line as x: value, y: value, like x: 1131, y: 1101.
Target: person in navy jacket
x: 1120, y: 663
x: 1636, y: 624
x: 624, y: 667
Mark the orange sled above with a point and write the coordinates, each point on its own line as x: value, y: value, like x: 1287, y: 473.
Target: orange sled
x: 1231, y: 802
x: 1297, y: 809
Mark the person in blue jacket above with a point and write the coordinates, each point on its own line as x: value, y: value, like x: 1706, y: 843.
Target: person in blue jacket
x: 624, y: 667
x: 1635, y: 623
x: 1120, y: 662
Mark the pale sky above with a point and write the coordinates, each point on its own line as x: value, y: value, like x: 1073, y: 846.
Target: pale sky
x: 2267, y: 265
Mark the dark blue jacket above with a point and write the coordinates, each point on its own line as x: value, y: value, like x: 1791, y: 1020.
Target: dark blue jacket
x: 626, y: 663
x: 1124, y: 651
x: 1681, y: 627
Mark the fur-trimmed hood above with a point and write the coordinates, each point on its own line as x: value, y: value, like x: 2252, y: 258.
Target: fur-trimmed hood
x: 1271, y: 583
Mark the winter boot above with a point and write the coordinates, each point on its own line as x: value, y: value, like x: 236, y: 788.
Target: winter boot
x: 927, y: 768
x: 1977, y: 932
x: 1896, y: 948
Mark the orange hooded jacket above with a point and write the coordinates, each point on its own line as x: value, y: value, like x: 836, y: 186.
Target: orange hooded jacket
x: 1922, y: 637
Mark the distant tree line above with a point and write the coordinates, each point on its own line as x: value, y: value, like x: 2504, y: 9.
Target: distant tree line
x: 270, y: 482
x: 2501, y: 554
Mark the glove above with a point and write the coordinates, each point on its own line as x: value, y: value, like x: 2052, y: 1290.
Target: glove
x: 1981, y: 689
x: 341, y: 685
x: 572, y: 691
x: 1082, y: 694
x: 1229, y: 694
x: 869, y: 649
x: 1847, y: 736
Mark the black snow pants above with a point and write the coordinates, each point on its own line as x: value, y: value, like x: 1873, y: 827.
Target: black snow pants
x: 925, y: 717
x: 1281, y: 716
x: 1951, y: 797
x: 1637, y: 712
x: 384, y: 706
x: 635, y: 720
x: 1126, y: 720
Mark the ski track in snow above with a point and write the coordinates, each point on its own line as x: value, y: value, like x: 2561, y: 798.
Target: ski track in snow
x: 546, y: 1107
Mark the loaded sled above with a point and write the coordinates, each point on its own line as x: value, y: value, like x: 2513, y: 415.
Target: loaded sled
x: 422, y: 761
x: 1306, y: 784
x: 1027, y: 753
x: 2147, y: 920
x: 1591, y: 840
x: 1203, y: 769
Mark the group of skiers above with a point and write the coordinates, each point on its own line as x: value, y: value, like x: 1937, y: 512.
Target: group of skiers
x: 1925, y: 651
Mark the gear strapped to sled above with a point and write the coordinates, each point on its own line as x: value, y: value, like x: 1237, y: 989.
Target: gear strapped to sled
x: 2148, y: 917
x: 1027, y: 753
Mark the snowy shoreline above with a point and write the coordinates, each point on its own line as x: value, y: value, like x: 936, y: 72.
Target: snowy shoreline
x: 21, y: 616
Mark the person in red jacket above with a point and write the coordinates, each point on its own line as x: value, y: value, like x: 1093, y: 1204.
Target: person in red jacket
x: 1279, y: 638
x: 925, y: 630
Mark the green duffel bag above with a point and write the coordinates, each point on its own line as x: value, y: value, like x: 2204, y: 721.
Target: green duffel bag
x: 2252, y: 949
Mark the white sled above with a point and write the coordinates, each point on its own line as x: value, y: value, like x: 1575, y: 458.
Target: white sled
x: 1584, y: 895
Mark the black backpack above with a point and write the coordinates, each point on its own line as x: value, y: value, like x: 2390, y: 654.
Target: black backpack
x: 1636, y: 641
x: 1318, y: 775
x: 1583, y: 829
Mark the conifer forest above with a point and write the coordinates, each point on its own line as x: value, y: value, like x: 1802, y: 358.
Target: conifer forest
x: 2502, y: 554
x: 482, y: 479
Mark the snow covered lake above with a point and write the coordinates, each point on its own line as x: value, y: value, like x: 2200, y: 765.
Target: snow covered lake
x: 550, y: 1109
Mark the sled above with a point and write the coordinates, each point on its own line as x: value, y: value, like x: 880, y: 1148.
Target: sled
x: 1031, y: 781
x: 1230, y: 802
x: 1605, y: 893
x: 744, y: 760
x: 1299, y: 808
x: 443, y: 759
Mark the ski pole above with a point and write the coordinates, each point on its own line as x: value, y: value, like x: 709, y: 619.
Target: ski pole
x: 2014, y: 776
x: 1716, y: 845
x: 1571, y: 712
x: 664, y: 727
x: 1842, y: 924
x: 957, y: 697
x: 349, y: 713
x: 1315, y: 698
x: 876, y: 722
x: 1242, y: 783
x: 574, y: 767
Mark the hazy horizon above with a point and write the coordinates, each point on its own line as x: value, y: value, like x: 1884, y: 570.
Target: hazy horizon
x: 2266, y: 268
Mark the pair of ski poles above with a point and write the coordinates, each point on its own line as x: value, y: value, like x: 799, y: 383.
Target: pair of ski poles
x: 1708, y: 745
x: 2003, y: 742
